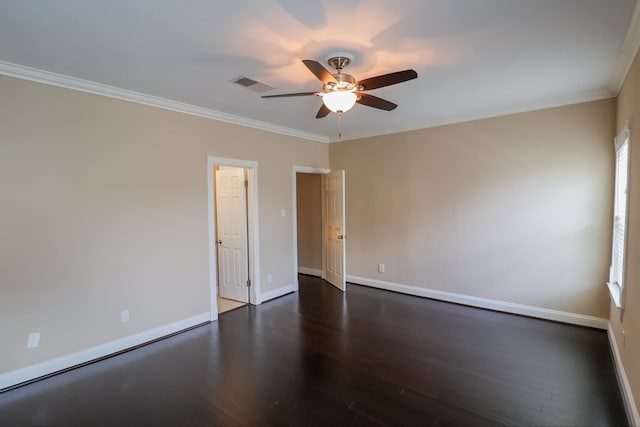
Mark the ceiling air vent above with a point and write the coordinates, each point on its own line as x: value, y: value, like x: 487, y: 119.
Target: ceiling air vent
x: 251, y: 84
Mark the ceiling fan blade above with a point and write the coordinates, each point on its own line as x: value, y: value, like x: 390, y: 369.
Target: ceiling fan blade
x: 319, y: 71
x: 375, y: 102
x: 322, y: 112
x: 282, y: 95
x: 387, y: 79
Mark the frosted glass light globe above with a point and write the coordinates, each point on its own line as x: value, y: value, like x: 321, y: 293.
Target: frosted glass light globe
x: 339, y: 101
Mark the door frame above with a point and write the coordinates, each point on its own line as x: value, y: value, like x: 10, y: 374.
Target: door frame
x: 294, y: 216
x: 251, y: 167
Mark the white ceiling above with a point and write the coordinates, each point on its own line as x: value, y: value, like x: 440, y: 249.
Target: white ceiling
x: 474, y: 58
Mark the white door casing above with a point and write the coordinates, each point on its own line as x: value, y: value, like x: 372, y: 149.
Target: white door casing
x: 253, y: 214
x: 333, y: 205
x: 231, y: 219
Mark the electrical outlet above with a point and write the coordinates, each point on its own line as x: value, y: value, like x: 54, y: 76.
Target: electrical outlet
x: 380, y: 268
x: 269, y: 278
x: 124, y: 316
x: 33, y: 340
x: 283, y: 212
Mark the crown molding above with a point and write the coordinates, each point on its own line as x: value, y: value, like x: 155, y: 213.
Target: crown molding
x: 68, y: 82
x: 60, y: 80
x: 489, y: 114
x: 627, y: 53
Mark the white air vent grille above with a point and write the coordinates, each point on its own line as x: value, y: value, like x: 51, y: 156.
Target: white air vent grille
x: 251, y: 84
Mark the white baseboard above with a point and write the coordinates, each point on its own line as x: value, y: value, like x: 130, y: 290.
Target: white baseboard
x: 507, y: 307
x: 32, y: 372
x: 310, y: 271
x: 623, y: 381
x: 266, y: 296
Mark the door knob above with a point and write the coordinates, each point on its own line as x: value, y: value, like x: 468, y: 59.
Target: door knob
x: 342, y: 236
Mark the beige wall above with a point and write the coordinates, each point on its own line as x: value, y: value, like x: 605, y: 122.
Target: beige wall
x: 629, y: 321
x: 309, y: 207
x: 104, y: 208
x: 515, y: 208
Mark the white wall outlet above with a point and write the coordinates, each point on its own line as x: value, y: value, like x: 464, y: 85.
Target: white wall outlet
x: 33, y: 340
x: 269, y: 278
x: 380, y: 268
x: 283, y: 212
x: 124, y: 316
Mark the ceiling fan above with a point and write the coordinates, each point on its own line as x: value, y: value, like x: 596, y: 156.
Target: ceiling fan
x: 341, y: 91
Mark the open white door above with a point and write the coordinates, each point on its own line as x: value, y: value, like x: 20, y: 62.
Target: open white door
x: 231, y: 224
x: 334, y: 228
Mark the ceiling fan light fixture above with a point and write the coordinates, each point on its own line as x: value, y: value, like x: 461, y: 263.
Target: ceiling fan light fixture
x: 340, y: 91
x: 339, y: 101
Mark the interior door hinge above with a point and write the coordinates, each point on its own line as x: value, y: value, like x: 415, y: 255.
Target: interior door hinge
x: 246, y: 183
x: 249, y: 283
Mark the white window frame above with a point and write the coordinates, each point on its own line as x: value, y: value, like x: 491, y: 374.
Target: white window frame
x: 617, y: 268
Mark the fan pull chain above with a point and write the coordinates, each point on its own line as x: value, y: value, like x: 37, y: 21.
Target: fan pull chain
x: 339, y: 124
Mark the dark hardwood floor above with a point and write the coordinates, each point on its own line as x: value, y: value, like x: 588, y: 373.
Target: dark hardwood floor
x: 319, y: 357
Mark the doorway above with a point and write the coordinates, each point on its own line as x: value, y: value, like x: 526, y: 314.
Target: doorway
x: 233, y: 234
x: 332, y: 228
x: 309, y: 223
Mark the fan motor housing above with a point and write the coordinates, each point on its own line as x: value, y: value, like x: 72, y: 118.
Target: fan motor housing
x: 344, y: 81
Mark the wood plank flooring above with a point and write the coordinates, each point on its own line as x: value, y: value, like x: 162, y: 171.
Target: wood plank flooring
x: 319, y: 357
x: 225, y: 304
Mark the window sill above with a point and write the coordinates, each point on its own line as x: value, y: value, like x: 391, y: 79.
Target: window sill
x: 616, y: 294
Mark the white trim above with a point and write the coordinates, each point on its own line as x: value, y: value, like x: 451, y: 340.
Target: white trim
x: 254, y: 228
x: 615, y: 293
x: 623, y: 136
x: 32, y: 372
x: 627, y: 53
x: 309, y: 169
x: 253, y: 216
x: 623, y: 381
x: 211, y: 223
x: 310, y: 271
x: 617, y: 290
x: 294, y: 212
x: 507, y: 307
x: 488, y: 114
x: 73, y: 83
x: 60, y: 80
x: 278, y: 292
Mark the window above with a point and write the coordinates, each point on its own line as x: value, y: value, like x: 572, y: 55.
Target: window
x: 616, y: 271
